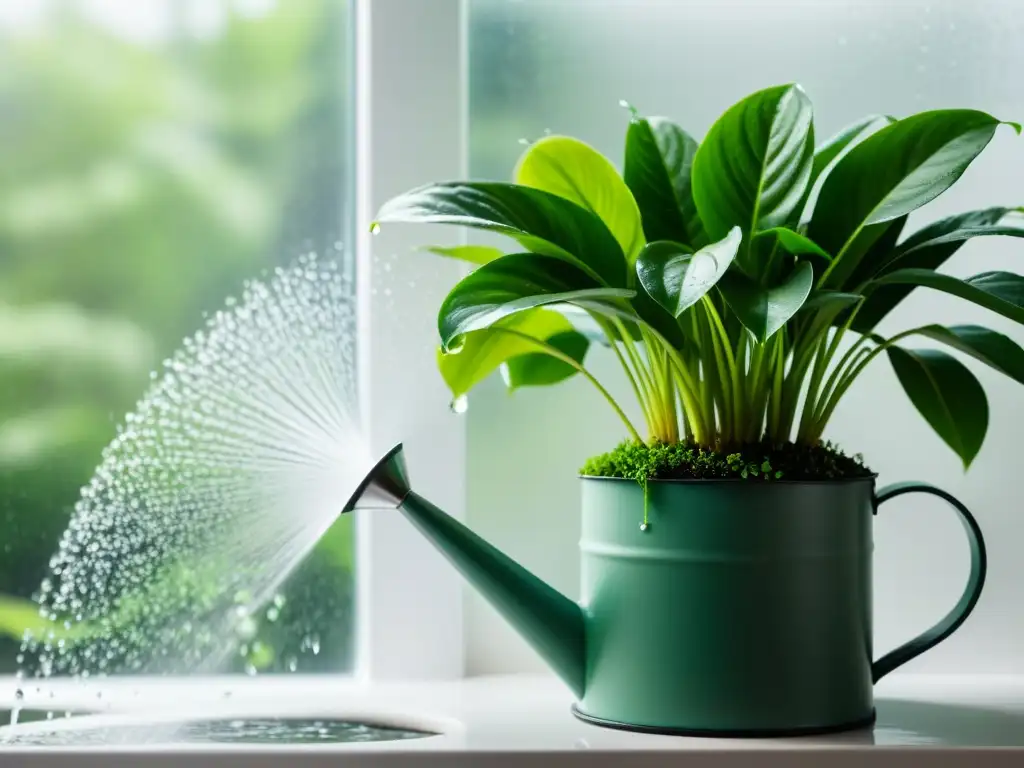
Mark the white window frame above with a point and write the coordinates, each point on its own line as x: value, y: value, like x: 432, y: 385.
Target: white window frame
x: 411, y: 118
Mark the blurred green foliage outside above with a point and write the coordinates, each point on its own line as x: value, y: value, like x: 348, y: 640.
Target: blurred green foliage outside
x: 142, y: 178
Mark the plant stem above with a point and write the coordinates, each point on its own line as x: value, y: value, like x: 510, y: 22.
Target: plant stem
x: 687, y: 390
x: 776, y: 392
x: 559, y: 355
x: 810, y: 399
x: 729, y: 372
x: 612, y: 341
x: 847, y: 380
x: 844, y: 365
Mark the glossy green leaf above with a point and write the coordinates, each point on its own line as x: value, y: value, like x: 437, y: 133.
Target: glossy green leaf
x: 537, y: 369
x: 842, y: 142
x: 836, y: 300
x: 483, y: 351
x: 752, y: 168
x: 512, y: 284
x: 1001, y: 292
x: 659, y: 159
x: 676, y: 278
x: 955, y: 230
x: 474, y: 254
x: 928, y: 248
x: 764, y: 311
x: 996, y: 350
x: 947, y: 394
x: 768, y: 246
x: 794, y: 242
x: 834, y: 148
x: 883, y: 238
x: 540, y: 221
x: 576, y: 171
x: 891, y: 173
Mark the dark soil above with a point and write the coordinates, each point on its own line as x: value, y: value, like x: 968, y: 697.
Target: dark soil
x: 758, y: 462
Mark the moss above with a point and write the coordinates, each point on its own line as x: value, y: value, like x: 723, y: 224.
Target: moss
x: 755, y: 462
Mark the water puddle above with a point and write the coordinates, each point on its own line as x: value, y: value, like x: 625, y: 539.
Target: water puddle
x: 265, y: 730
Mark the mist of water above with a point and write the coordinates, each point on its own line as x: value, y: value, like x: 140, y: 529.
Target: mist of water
x: 224, y: 476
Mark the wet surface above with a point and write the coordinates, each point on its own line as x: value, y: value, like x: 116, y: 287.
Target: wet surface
x: 221, y: 731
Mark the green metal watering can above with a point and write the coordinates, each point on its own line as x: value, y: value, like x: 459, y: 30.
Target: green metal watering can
x: 735, y: 608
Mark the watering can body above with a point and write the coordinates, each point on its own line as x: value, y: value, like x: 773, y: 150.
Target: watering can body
x: 727, y: 608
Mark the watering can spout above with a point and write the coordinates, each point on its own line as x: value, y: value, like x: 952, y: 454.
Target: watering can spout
x: 548, y: 620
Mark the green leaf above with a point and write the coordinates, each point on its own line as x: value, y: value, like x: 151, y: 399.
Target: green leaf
x: 790, y: 242
x: 537, y: 369
x: 956, y: 230
x: 1002, y: 292
x: 579, y: 173
x: 794, y: 242
x: 540, y: 221
x: 659, y: 158
x: 676, y: 278
x: 842, y: 142
x: 994, y: 349
x: 833, y: 300
x: 947, y: 394
x: 891, y: 173
x: 474, y: 254
x: 483, y: 351
x: 512, y: 284
x: 764, y: 311
x: 752, y: 168
x: 928, y: 248
x: 836, y: 147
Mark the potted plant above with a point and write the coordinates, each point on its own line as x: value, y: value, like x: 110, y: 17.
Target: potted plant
x: 739, y: 282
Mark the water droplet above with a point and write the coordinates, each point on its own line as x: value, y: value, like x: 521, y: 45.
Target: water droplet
x: 375, y: 228
x: 292, y: 663
x: 19, y: 695
x: 524, y: 142
x: 645, y: 527
x: 182, y: 509
x: 459, y: 405
x: 633, y: 113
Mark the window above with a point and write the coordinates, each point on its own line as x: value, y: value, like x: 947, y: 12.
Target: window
x: 158, y: 157
x: 156, y: 154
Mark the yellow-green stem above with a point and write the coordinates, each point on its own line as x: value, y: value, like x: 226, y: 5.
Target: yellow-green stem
x: 613, y: 342
x: 559, y: 355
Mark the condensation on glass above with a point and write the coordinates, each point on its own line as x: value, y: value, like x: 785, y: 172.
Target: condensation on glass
x: 155, y: 154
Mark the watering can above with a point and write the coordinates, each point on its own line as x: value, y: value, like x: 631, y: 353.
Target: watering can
x: 709, y: 607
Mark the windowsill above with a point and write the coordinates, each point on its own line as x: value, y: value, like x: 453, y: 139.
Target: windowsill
x: 928, y: 716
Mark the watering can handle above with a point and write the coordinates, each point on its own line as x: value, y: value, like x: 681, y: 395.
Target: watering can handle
x: 952, y: 620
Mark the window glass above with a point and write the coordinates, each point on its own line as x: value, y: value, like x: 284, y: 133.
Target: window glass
x: 155, y: 155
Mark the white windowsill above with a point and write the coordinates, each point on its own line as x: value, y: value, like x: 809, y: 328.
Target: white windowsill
x: 929, y: 720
